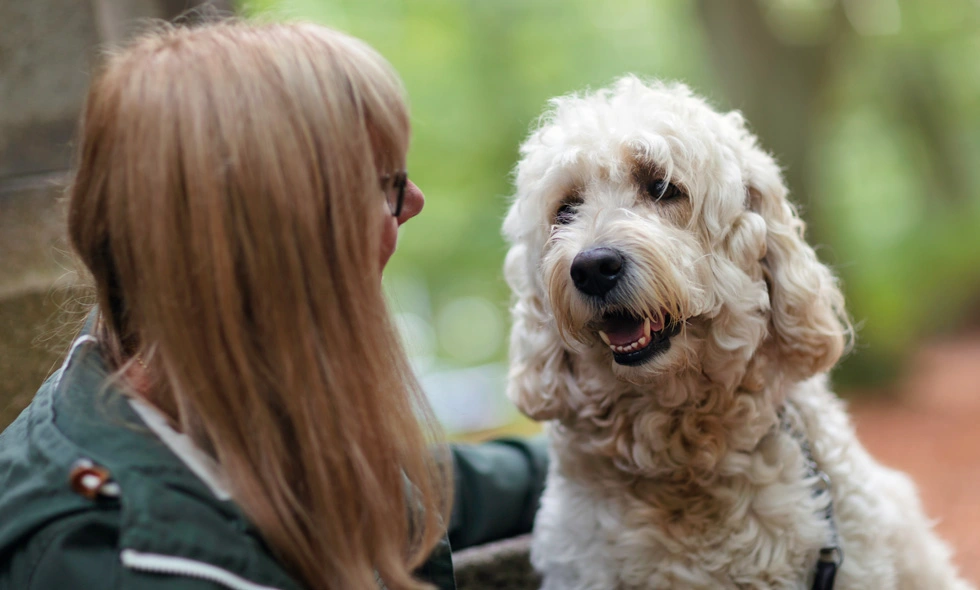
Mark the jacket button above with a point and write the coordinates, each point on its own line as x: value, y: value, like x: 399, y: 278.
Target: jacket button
x: 90, y: 480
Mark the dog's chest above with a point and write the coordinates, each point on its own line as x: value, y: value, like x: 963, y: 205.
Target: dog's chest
x: 764, y: 532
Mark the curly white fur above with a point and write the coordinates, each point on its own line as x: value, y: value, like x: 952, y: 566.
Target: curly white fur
x: 674, y: 473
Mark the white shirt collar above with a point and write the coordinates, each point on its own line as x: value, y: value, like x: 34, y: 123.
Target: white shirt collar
x: 199, y: 462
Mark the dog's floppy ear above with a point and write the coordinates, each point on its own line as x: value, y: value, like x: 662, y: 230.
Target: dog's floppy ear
x: 809, y: 328
x: 540, y: 371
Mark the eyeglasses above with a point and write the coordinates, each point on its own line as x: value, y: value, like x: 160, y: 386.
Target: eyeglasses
x: 393, y: 186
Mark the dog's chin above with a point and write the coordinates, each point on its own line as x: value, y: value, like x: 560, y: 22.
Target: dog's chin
x: 658, y: 367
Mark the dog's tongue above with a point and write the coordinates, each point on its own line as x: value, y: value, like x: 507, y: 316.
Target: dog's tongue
x: 622, y: 330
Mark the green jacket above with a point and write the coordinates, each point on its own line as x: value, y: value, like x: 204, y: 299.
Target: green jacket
x: 156, y: 525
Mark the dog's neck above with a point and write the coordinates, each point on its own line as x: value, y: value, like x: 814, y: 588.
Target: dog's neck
x: 676, y: 459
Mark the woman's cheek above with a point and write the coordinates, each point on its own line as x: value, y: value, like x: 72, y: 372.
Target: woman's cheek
x: 389, y: 239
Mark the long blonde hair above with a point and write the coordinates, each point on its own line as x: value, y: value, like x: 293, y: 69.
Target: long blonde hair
x: 227, y: 203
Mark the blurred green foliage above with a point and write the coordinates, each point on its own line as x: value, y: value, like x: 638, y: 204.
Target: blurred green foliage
x: 871, y: 106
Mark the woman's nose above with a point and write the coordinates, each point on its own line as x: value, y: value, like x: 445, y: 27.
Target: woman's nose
x: 414, y: 201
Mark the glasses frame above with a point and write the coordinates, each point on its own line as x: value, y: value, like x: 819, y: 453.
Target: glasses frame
x: 394, y: 184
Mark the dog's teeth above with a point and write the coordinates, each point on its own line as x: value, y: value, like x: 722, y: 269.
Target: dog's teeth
x: 643, y: 341
x: 646, y: 328
x: 604, y: 338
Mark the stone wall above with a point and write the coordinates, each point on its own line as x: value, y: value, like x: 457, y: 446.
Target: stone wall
x: 48, y: 49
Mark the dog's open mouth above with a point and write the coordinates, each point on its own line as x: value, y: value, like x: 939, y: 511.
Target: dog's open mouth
x: 632, y: 340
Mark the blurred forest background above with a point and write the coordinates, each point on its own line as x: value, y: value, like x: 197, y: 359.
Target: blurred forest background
x: 871, y: 106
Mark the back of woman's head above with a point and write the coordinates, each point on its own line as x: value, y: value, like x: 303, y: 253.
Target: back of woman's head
x: 227, y: 202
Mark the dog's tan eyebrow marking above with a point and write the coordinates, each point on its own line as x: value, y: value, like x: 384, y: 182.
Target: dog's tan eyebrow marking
x: 643, y: 171
x: 571, y: 196
x: 643, y: 168
x: 573, y: 192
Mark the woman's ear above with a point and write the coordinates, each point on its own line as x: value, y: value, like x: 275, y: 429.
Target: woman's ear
x: 540, y: 367
x: 809, y: 328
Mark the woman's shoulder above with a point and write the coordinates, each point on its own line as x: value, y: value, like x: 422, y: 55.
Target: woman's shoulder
x: 89, y: 493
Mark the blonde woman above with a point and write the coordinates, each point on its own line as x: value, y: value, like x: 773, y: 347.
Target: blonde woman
x: 238, y: 412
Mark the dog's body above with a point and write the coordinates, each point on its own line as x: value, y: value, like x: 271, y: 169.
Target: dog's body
x: 674, y: 328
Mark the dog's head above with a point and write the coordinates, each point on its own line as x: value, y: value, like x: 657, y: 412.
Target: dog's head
x: 651, y: 236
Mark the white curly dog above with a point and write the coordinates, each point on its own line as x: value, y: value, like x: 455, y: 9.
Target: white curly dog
x: 675, y: 329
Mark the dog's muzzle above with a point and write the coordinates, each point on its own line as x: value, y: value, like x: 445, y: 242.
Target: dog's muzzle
x: 632, y: 340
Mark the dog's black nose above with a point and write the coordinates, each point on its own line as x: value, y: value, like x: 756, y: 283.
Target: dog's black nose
x: 595, y: 271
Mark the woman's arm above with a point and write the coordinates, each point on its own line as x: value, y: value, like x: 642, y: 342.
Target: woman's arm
x: 498, y: 486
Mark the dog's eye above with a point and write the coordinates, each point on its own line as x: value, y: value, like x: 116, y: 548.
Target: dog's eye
x: 565, y: 214
x: 663, y: 191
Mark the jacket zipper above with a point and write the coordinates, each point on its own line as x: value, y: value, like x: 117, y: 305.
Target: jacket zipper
x: 181, y: 566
